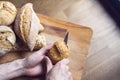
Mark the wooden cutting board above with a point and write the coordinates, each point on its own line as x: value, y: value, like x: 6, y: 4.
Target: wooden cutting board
x: 79, y: 41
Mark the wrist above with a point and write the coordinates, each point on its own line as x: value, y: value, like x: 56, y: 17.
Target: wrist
x: 14, y: 69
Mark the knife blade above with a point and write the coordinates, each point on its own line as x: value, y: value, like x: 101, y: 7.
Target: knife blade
x: 66, y: 37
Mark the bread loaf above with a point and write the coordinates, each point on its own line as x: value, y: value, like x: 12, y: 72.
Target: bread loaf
x: 7, y: 13
x: 40, y: 42
x: 7, y: 39
x: 59, y: 51
x: 27, y: 25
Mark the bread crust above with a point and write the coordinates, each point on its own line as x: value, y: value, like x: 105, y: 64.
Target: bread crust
x: 27, y: 25
x: 59, y: 51
x: 40, y: 42
x: 22, y: 22
x: 7, y: 39
x: 8, y: 13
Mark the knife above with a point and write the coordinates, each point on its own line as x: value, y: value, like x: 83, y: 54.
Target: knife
x: 66, y: 37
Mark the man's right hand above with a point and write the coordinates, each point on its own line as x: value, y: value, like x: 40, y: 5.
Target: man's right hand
x: 58, y: 72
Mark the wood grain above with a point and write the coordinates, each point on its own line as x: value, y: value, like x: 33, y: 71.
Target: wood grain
x: 79, y: 41
x: 103, y: 58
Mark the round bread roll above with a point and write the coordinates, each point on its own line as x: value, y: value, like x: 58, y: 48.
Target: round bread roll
x: 58, y: 52
x: 27, y: 25
x: 7, y: 13
x: 7, y: 39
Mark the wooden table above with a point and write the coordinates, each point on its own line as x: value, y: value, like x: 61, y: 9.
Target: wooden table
x: 103, y: 58
x: 79, y: 40
x: 104, y: 53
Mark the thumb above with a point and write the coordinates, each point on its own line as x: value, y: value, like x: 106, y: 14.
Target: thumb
x: 48, y: 64
x: 64, y: 61
x: 37, y: 57
x: 43, y: 50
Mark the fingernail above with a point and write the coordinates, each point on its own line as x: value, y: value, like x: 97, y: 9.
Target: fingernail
x: 69, y: 73
x: 67, y: 68
x: 65, y: 61
x: 49, y: 46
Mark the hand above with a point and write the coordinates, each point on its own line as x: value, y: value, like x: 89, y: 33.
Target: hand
x: 58, y: 72
x: 30, y: 66
x: 33, y: 64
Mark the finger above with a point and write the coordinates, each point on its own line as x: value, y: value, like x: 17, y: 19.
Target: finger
x: 49, y: 46
x: 64, y: 67
x: 37, y: 57
x: 71, y: 78
x: 33, y: 61
x: 48, y: 64
x: 67, y: 68
x: 37, y: 70
x: 61, y: 64
x: 44, y: 49
x: 68, y: 75
x: 64, y: 61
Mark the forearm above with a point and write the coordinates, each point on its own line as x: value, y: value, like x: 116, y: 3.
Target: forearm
x: 12, y: 69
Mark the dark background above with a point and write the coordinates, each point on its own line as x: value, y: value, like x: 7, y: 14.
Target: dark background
x: 113, y: 8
